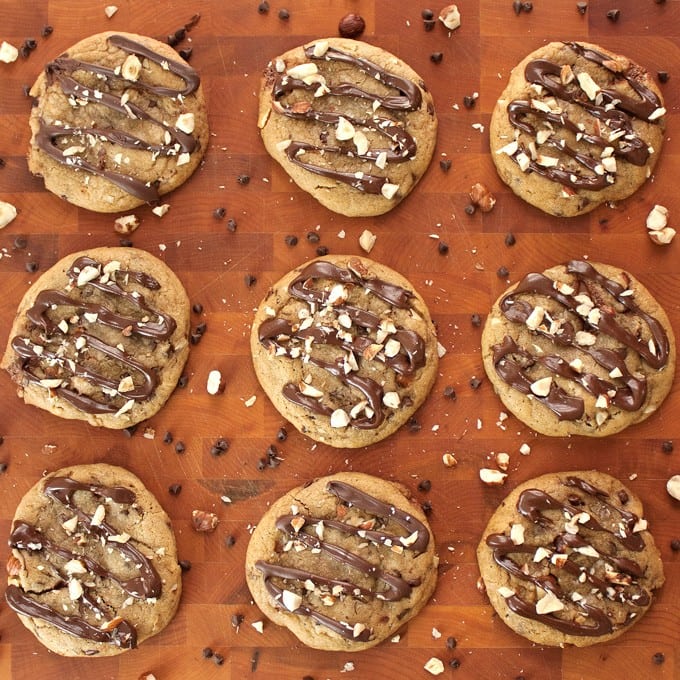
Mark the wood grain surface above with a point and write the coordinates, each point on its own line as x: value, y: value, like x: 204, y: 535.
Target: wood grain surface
x: 231, y: 45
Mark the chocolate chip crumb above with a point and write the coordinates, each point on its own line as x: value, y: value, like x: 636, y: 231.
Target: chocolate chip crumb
x: 658, y: 658
x: 219, y: 213
x: 475, y: 383
x: 291, y: 240
x: 425, y: 485
x: 313, y: 237
x: 249, y: 280
x: 675, y: 545
x: 186, y: 53
x: 476, y: 320
x: 426, y: 507
x: 195, y: 338
x: 449, y: 392
x: 222, y: 444
x: 180, y: 447
x: 20, y: 242
x: 451, y: 643
x: 261, y: 464
x: 31, y: 267
x: 130, y: 431
x: 231, y: 224
x: 243, y: 179
x: 167, y: 438
x: 613, y: 14
x: 436, y: 57
x: 197, y: 308
x: 3, y: 467
x: 207, y: 652
x: 414, y: 425
x: 454, y: 663
x: 510, y: 239
x: 254, y: 660
x: 282, y: 434
x: 470, y: 209
x: 284, y: 14
x: 469, y: 101
x: 184, y: 565
x: 517, y: 6
x: 2, y: 163
x: 230, y: 541
x: 527, y: 6
x: 322, y: 250
x: 663, y: 76
x: 443, y: 248
x: 237, y: 620
x: 183, y: 380
x: 46, y: 30
x: 667, y: 446
x: 582, y: 7
x: 175, y: 489
x: 445, y: 164
x: 429, y: 24
x: 502, y: 272
x: 218, y: 659
x: 427, y: 14
x: 263, y: 7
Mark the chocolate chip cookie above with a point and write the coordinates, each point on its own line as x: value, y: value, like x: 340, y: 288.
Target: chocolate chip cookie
x: 119, y: 120
x: 577, y: 126
x: 345, y: 349
x: 566, y: 559
x: 343, y: 562
x: 93, y: 569
x: 582, y: 348
x: 101, y: 336
x: 351, y: 124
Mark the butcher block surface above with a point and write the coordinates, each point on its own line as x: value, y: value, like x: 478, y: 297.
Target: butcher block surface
x: 232, y: 43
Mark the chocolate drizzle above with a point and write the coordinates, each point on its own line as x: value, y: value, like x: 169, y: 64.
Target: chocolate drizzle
x: 611, y: 107
x: 68, y: 355
x: 583, y: 577
x: 31, y: 538
x: 627, y: 392
x: 50, y: 134
x: 402, y: 146
x: 394, y: 587
x: 293, y: 339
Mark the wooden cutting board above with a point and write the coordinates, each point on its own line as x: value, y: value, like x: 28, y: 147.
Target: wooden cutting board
x: 231, y: 45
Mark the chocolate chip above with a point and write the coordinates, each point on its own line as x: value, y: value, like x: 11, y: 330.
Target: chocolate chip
x: 218, y: 659
x: 429, y: 24
x: 291, y: 240
x: 469, y: 101
x: 186, y: 53
x: 667, y: 446
x: 195, y: 338
x: 502, y: 272
x: 436, y: 57
x: 180, y: 34
x: 219, y: 213
x: 517, y: 6
x: 425, y: 485
x: 249, y: 280
x: 215, y: 451
x: 197, y: 308
x: 263, y: 7
x: 201, y: 328
x: 254, y: 660
x: 450, y: 393
x: 675, y: 544
x: 582, y: 7
x: 125, y: 243
x: 130, y: 431
x: 282, y: 434
x: 451, y: 643
x: 658, y: 658
x: 237, y: 620
x: 475, y: 383
x: 3, y: 467
x: 171, y: 40
x: 476, y: 320
x: 454, y: 663
x: 167, y: 438
x: 31, y: 267
x: 510, y: 239
x: 195, y: 18
x: 527, y: 6
x: 207, y: 652
x: 20, y: 242
x: 613, y: 14
x: 413, y: 425
x: 180, y: 447
x: 231, y: 224
x: 261, y: 464
x: 663, y: 76
x: 284, y: 14
x: 183, y: 380
x: 427, y: 14
x: 445, y: 164
x: 470, y: 209
x: 222, y: 444
x: 443, y: 248
x: 243, y: 179
x: 30, y: 43
x: 184, y: 565
x: 426, y: 507
x: 46, y: 30
x: 230, y: 540
x: 313, y: 237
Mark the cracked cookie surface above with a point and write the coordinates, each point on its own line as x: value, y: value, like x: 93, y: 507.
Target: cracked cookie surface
x: 93, y: 567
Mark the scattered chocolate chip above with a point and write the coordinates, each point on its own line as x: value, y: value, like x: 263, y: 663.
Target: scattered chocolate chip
x: 476, y: 320
x: 186, y: 53
x: 180, y: 34
x: 201, y: 328
x: 675, y: 544
x: 249, y: 280
x: 171, y: 40
x: 219, y: 213
x: 130, y: 431
x: 469, y: 101
x: 263, y: 7
x: 243, y: 179
x: 231, y: 224
x: 20, y: 242
x: 282, y: 434
x: 510, y: 239
x: 261, y: 464
x: 31, y: 267
x: 413, y: 425
x: 667, y: 446
x: 427, y: 14
x: 291, y: 240
x: 207, y: 652
x: 184, y: 565
x: 449, y: 392
x: 2, y: 163
x: 46, y: 30
x: 443, y: 248
x: 237, y: 620
x: 658, y: 658
x: 351, y: 26
x: 470, y: 209
x: 3, y: 467
x: 218, y: 659
x: 663, y: 76
x: 195, y: 338
x: 167, y: 437
x: 229, y: 541
x: 222, y: 444
x: 125, y: 243
x: 195, y: 18
x: 183, y: 380
x: 215, y: 451
x: 26, y: 89
x: 451, y: 643
x: 30, y: 43
x: 517, y: 6
x: 426, y: 507
x: 445, y: 164
x: 582, y: 7
x: 475, y: 383
x: 313, y: 237
x: 254, y: 660
x: 180, y: 447
x: 502, y: 272
x: 613, y: 14
x: 425, y: 485
x: 454, y: 663
x: 527, y: 6
x: 429, y: 24
x: 284, y: 14
x: 174, y: 489
x: 436, y: 57
x: 197, y: 308
x: 322, y: 250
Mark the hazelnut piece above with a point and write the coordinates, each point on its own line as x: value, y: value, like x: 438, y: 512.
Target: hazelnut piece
x: 351, y: 26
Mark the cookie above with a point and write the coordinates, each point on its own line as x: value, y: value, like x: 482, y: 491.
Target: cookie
x: 582, y: 348
x: 101, y: 336
x: 93, y: 569
x: 119, y: 120
x: 351, y: 124
x: 345, y: 349
x: 343, y: 562
x: 576, y: 126
x: 566, y: 559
